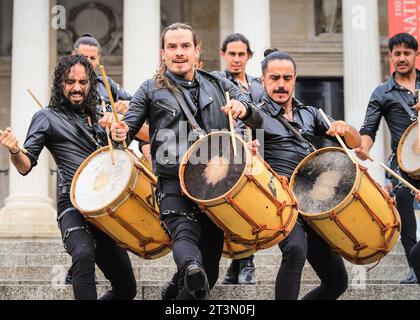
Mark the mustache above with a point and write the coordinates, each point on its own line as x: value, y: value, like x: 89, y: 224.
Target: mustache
x: 78, y: 92
x: 280, y: 90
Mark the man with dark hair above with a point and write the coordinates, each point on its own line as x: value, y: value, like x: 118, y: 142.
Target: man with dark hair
x: 396, y: 100
x: 180, y: 98
x: 289, y: 128
x: 68, y: 127
x: 90, y: 48
x: 236, y: 52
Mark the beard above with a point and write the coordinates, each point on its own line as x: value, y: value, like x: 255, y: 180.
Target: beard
x: 76, y: 107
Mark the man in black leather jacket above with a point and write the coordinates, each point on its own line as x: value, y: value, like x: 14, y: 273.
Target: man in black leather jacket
x: 283, y: 151
x: 396, y: 101
x: 197, y: 241
x: 68, y: 128
x: 90, y: 48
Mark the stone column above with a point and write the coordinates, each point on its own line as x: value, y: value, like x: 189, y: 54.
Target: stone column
x: 226, y: 24
x: 362, y: 69
x: 28, y: 210
x: 141, y: 42
x: 252, y: 18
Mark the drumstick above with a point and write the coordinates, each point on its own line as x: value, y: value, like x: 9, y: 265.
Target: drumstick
x: 249, y: 132
x: 33, y: 97
x: 343, y: 145
x: 391, y: 172
x: 111, y: 98
x: 232, y: 129
x: 417, y: 144
x: 111, y: 147
x: 22, y: 149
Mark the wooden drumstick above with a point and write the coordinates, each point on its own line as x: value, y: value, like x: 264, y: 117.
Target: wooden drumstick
x: 111, y: 98
x: 111, y: 147
x: 36, y: 100
x: 417, y: 144
x: 22, y: 149
x: 249, y: 133
x: 232, y: 128
x: 343, y: 145
x: 391, y: 172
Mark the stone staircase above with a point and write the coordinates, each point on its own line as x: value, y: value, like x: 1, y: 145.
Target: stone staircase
x: 36, y: 270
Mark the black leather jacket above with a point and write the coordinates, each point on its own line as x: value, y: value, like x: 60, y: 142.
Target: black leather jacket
x: 394, y: 102
x: 160, y: 107
x: 67, y: 142
x: 282, y: 150
x: 256, y: 89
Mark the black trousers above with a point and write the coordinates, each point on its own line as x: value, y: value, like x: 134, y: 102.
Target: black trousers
x: 195, y: 238
x: 405, y: 206
x: 301, y: 244
x: 88, y: 245
x: 415, y: 259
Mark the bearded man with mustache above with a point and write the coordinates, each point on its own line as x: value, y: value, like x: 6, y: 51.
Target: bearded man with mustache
x: 396, y: 100
x: 69, y: 129
x: 284, y: 150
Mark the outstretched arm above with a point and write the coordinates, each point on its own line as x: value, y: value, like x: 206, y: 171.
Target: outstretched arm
x: 19, y: 159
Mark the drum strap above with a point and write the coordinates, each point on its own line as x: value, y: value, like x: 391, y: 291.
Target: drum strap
x: 294, y: 131
x: 193, y: 123
x: 75, y: 121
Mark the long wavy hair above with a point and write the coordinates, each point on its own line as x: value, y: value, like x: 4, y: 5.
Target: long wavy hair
x: 160, y: 78
x: 58, y: 100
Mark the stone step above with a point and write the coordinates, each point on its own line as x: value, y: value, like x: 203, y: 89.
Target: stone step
x: 269, y: 258
x: 56, y: 273
x: 220, y: 292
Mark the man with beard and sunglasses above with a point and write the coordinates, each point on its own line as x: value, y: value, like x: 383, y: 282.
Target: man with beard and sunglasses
x: 180, y: 98
x: 69, y: 129
x: 396, y: 100
x: 284, y: 149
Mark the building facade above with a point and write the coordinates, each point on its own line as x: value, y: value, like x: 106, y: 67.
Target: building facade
x: 339, y: 47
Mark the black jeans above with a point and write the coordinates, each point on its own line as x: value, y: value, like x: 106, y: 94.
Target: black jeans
x: 405, y: 206
x: 88, y: 245
x: 301, y: 244
x: 415, y: 259
x: 195, y: 238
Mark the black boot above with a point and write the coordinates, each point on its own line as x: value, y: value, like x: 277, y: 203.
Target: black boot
x: 247, y: 271
x: 410, y: 278
x: 196, y: 282
x: 169, y: 290
x: 68, y: 280
x: 232, y: 273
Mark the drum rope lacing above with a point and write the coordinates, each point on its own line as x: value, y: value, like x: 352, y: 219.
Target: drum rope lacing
x: 383, y: 227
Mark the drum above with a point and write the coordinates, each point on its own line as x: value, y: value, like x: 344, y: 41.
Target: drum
x: 236, y: 251
x: 241, y: 194
x: 345, y: 206
x: 120, y: 200
x: 408, y: 153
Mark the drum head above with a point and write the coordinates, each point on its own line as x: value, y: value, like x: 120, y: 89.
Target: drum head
x: 212, y: 169
x: 410, y: 153
x: 100, y: 182
x: 323, y: 181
